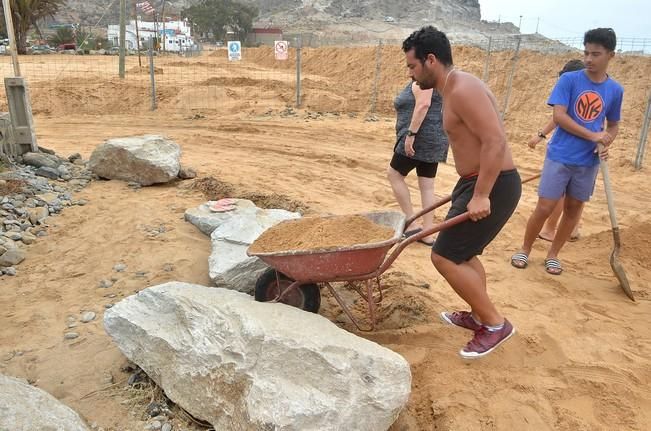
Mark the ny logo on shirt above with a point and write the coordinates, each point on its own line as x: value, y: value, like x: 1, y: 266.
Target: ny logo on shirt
x: 589, y: 106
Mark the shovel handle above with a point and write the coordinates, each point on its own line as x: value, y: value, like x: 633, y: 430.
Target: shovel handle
x: 603, y: 165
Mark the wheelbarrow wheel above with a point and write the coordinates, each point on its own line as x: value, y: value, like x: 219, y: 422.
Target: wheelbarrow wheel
x: 306, y: 297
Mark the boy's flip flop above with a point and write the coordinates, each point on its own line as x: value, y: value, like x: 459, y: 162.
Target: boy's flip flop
x: 222, y: 205
x: 520, y: 260
x: 553, y: 266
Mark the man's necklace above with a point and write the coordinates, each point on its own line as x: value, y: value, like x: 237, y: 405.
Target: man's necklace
x: 445, y: 84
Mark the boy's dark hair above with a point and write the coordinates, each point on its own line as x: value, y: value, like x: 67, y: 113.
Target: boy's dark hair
x: 571, y: 66
x: 605, y: 37
x: 429, y: 40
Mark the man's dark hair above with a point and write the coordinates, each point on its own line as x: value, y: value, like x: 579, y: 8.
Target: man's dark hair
x: 571, y: 66
x: 429, y: 40
x: 601, y: 36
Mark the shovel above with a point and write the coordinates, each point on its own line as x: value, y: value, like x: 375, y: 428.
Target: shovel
x: 617, y: 267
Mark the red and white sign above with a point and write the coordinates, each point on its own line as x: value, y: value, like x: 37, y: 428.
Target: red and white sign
x: 146, y: 7
x: 281, y: 48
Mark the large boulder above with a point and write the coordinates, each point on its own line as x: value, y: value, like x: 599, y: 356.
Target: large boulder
x: 228, y: 264
x: 26, y: 408
x: 146, y: 160
x: 245, y: 365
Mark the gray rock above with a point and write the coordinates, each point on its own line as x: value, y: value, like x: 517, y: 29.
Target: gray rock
x: 73, y: 157
x: 7, y: 206
x: 70, y: 335
x: 24, y: 408
x: 187, y: 173
x: 81, y: 202
x: 105, y: 284
x: 28, y: 238
x: 119, y: 267
x: 229, y: 265
x: 40, y: 160
x: 153, y: 426
x: 48, y: 198
x: 257, y: 365
x: 88, y: 316
x: 46, y: 150
x: 46, y: 172
x: 13, y: 235
x: 11, y: 271
x: 166, y: 427
x: 63, y: 170
x: 12, y: 257
x: 145, y: 160
x: 3, y: 249
x: 38, y: 214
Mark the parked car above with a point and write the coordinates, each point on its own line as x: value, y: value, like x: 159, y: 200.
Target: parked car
x: 40, y: 49
x: 67, y: 47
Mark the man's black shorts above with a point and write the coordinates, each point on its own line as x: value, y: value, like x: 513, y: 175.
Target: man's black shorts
x: 404, y: 165
x: 462, y: 242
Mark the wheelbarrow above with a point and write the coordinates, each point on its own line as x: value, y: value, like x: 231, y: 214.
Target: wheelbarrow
x: 294, y: 275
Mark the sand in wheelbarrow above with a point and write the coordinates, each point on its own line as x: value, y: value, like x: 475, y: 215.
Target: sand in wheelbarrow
x: 311, y: 233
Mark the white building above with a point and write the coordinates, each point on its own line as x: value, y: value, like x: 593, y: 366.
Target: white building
x: 176, y: 34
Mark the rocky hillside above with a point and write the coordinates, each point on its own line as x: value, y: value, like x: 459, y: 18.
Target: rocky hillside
x: 356, y: 20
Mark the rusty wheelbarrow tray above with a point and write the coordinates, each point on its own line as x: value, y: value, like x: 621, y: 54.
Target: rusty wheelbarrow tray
x: 363, y: 262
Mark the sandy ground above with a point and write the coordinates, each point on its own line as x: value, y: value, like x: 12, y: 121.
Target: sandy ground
x: 580, y: 360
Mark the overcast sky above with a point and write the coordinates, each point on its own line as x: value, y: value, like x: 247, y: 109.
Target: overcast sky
x: 571, y: 18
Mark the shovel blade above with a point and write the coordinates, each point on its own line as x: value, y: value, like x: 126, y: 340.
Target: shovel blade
x: 618, y: 269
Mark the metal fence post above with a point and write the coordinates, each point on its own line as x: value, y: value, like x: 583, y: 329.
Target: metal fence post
x: 151, y: 74
x: 299, y: 46
x: 376, y: 81
x: 514, y: 67
x: 488, y: 59
x: 643, y: 135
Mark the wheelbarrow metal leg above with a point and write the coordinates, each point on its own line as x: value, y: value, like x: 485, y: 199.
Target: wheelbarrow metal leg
x: 344, y: 307
x: 371, y: 302
x: 290, y: 288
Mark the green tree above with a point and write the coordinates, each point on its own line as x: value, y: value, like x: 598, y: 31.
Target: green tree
x: 63, y: 35
x: 219, y: 16
x: 26, y: 14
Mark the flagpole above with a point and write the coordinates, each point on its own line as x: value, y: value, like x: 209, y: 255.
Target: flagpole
x: 123, y: 42
x: 135, y: 12
x: 163, y: 18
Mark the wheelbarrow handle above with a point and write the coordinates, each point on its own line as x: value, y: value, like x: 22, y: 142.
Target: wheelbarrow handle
x: 444, y: 201
x: 437, y: 228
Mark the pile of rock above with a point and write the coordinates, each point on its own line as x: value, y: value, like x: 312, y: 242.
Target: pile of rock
x: 39, y: 186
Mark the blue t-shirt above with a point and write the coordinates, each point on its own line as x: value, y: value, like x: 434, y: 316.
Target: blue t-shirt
x: 588, y: 104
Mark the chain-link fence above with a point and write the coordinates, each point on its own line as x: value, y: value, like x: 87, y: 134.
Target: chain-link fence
x: 361, y: 79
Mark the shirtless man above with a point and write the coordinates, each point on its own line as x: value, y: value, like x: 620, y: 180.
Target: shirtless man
x: 489, y: 188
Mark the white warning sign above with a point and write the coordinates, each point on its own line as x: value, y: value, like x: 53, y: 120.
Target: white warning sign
x: 281, y: 48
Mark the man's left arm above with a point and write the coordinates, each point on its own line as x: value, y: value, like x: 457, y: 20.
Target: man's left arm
x: 476, y: 109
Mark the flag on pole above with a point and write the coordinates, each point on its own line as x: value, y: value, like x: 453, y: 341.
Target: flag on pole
x: 146, y: 7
